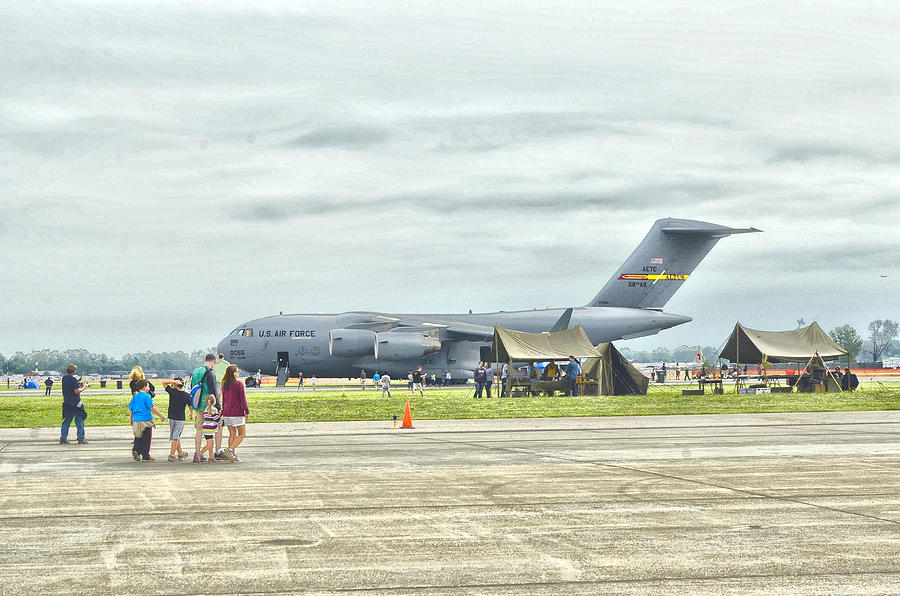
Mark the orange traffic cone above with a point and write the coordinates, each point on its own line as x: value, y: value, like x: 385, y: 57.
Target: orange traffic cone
x: 407, y: 418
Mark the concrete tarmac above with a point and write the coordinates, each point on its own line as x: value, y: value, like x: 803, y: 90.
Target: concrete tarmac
x: 742, y: 504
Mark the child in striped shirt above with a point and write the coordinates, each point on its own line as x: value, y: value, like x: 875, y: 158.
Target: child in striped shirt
x: 211, y: 417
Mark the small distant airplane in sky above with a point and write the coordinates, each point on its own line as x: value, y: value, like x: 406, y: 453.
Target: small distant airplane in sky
x: 342, y: 345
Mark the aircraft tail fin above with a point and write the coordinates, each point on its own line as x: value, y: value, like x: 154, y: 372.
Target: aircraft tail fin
x: 662, y: 262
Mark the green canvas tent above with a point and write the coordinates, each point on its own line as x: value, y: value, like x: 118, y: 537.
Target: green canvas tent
x: 613, y: 373
x: 519, y: 346
x: 617, y: 375
x: 748, y: 345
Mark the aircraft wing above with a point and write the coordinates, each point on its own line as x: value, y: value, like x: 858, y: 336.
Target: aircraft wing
x: 450, y: 330
x: 447, y: 328
x: 471, y: 331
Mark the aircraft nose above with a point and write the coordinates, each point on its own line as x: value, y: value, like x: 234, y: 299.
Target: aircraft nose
x: 223, y: 346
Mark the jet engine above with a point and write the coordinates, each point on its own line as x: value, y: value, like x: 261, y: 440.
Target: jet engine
x: 404, y: 346
x: 350, y: 343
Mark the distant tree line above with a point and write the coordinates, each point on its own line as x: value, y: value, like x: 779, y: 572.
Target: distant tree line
x: 91, y: 363
x: 680, y: 354
x: 881, y: 342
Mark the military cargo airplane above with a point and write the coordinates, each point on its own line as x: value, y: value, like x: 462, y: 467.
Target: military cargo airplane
x: 341, y: 345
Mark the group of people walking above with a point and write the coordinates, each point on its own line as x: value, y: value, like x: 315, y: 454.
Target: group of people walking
x: 216, y: 400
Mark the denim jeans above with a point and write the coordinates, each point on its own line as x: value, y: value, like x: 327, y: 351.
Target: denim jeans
x: 79, y: 426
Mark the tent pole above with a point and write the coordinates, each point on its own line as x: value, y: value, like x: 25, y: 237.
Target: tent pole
x: 800, y: 372
x: 738, y: 349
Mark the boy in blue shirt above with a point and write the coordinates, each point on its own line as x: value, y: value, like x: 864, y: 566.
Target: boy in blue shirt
x: 142, y: 410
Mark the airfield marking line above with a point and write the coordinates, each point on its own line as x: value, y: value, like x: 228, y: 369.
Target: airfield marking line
x: 334, y: 509
x: 878, y: 465
x: 389, y: 431
x: 560, y: 583
x: 610, y: 581
x: 682, y: 479
x: 596, y: 433
x: 118, y: 449
x: 742, y: 495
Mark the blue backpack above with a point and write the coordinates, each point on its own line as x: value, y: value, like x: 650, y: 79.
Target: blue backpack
x: 196, y: 396
x: 197, y: 392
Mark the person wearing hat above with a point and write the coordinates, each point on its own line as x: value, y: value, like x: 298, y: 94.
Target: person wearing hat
x: 72, y: 406
x: 418, y: 384
x: 179, y: 400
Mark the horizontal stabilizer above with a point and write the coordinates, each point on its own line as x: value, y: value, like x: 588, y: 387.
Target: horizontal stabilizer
x: 717, y: 231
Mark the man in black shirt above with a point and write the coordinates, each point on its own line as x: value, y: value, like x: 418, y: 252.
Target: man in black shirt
x: 72, y: 407
x: 480, y: 379
x: 417, y: 382
x: 179, y: 399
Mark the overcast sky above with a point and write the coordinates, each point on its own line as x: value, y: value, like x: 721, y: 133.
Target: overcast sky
x: 170, y: 170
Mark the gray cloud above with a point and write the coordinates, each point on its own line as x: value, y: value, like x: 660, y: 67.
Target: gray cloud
x: 635, y: 198
x: 492, y: 132
x: 348, y: 137
x: 813, y: 151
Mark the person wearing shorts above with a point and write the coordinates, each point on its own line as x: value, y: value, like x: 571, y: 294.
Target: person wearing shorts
x: 418, y: 382
x: 179, y: 399
x: 212, y: 418
x: 234, y: 411
x: 206, y: 379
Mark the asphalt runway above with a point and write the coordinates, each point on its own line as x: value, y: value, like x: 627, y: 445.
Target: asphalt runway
x: 799, y: 503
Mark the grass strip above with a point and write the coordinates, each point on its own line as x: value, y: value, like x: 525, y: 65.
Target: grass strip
x: 36, y: 411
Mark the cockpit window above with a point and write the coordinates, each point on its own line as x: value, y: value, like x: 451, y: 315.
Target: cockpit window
x: 248, y: 332
x: 245, y: 332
